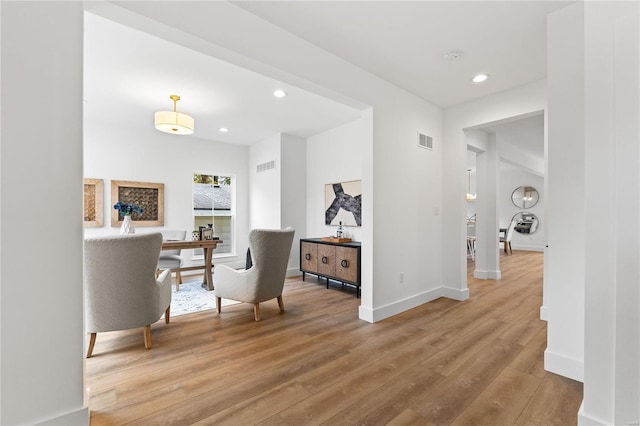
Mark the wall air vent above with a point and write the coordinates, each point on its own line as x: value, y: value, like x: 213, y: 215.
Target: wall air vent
x: 425, y: 141
x: 266, y: 166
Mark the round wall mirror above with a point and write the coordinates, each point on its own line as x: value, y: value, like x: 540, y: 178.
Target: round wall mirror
x: 525, y: 223
x: 525, y: 197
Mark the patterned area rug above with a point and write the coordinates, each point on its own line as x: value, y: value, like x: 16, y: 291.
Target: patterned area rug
x: 193, y: 298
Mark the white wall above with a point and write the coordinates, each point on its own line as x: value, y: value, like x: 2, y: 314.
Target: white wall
x: 392, y: 164
x: 332, y: 156
x: 294, y: 193
x: 41, y: 332
x: 114, y: 152
x: 278, y: 196
x: 265, y: 187
x: 511, y: 178
x: 522, y: 101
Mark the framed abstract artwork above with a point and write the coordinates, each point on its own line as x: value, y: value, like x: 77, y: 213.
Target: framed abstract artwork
x: 343, y: 203
x: 148, y: 195
x: 93, y: 207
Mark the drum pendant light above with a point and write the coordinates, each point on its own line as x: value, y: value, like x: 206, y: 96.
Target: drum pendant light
x: 174, y: 122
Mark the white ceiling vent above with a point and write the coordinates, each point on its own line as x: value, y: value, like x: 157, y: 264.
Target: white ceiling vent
x: 425, y: 141
x: 266, y: 166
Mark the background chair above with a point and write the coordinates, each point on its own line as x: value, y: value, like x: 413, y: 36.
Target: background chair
x: 170, y: 259
x: 270, y: 251
x: 506, y: 240
x: 121, y: 290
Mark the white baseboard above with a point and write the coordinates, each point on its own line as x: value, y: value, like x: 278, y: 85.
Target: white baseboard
x: 525, y: 247
x: 544, y: 313
x: 397, y: 307
x: 487, y: 275
x: 586, y: 420
x: 455, y: 294
x: 294, y: 272
x: 79, y: 417
x: 563, y: 365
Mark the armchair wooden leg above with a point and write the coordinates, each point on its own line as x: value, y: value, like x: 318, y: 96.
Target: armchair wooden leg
x: 281, y: 303
x: 147, y: 337
x: 178, y: 280
x: 219, y: 303
x: 167, y: 314
x: 92, y: 342
x: 256, y: 311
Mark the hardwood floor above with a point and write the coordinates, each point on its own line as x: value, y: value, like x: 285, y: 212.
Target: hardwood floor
x: 478, y: 362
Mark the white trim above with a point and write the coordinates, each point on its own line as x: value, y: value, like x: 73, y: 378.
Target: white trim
x: 525, y: 247
x: 455, y: 293
x: 400, y: 306
x: 487, y: 275
x: 79, y: 417
x: 293, y: 272
x: 585, y: 420
x: 544, y: 313
x: 563, y: 365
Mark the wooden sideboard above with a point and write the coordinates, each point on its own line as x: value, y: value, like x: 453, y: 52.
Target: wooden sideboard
x: 332, y: 261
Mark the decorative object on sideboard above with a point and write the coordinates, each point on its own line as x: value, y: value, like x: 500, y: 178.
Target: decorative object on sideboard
x: 147, y: 195
x: 127, y: 209
x: 93, y: 203
x: 343, y: 203
x: 174, y: 122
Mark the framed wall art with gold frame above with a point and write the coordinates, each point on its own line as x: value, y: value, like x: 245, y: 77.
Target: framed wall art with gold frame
x: 148, y: 195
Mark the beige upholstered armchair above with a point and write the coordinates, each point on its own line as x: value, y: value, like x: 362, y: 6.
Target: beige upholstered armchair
x: 270, y: 251
x: 170, y: 259
x: 121, y: 289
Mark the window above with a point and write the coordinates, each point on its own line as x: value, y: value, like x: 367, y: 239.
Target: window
x: 213, y: 206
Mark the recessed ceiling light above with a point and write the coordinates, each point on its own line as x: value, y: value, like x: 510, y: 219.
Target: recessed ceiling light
x: 279, y: 93
x: 224, y: 129
x: 479, y: 78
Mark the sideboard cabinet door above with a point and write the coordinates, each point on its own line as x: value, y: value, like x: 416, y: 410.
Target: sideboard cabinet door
x: 326, y: 260
x: 309, y: 256
x: 347, y: 264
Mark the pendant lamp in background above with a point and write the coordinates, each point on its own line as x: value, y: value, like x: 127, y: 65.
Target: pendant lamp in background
x: 174, y: 122
x: 470, y: 196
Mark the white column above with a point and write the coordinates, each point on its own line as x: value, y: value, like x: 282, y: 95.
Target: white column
x: 612, y: 158
x: 564, y: 261
x: 487, y: 220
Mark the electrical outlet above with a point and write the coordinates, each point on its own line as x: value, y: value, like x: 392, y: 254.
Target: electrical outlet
x: 436, y: 211
x: 401, y: 277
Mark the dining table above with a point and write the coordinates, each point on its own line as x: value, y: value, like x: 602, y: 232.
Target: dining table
x: 208, y: 246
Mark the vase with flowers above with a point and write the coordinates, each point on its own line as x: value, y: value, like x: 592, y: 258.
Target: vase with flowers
x: 126, y: 209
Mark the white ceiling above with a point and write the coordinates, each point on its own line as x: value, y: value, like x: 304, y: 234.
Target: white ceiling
x: 403, y: 41
x: 130, y: 74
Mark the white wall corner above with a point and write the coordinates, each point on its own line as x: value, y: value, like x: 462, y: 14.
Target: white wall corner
x: 455, y: 293
x: 563, y: 365
x: 79, y: 417
x: 586, y: 420
x: 544, y: 313
x: 365, y: 313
